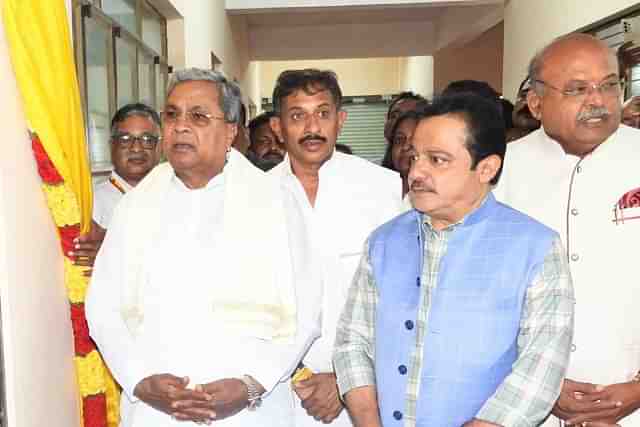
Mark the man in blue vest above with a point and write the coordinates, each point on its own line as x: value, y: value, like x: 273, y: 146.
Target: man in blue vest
x: 461, y: 311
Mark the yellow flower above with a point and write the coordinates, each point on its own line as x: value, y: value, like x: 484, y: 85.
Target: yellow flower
x: 75, y: 282
x: 91, y: 374
x: 62, y: 204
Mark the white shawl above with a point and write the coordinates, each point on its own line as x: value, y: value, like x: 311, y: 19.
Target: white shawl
x: 259, y: 297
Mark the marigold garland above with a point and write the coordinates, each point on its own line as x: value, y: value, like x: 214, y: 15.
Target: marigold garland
x: 99, y: 393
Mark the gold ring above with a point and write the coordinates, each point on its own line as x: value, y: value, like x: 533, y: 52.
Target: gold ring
x: 584, y: 424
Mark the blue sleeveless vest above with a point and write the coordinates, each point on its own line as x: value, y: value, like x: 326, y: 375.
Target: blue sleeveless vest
x: 474, y: 316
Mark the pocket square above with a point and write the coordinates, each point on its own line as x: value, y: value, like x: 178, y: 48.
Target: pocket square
x: 631, y: 199
x: 628, y: 207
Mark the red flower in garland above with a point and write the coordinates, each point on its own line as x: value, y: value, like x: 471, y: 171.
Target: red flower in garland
x: 83, y: 343
x: 46, y: 169
x: 67, y: 234
x: 95, y: 410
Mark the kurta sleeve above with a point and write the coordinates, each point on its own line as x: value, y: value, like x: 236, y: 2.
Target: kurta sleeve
x: 527, y: 395
x: 354, y: 348
x: 103, y: 310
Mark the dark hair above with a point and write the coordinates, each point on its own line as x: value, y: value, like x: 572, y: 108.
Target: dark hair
x: 242, y: 118
x: 507, y: 112
x: 344, y: 148
x: 258, y: 121
x: 387, y: 160
x: 134, y: 109
x: 310, y: 80
x: 485, y: 127
x: 476, y: 87
x: 403, y: 96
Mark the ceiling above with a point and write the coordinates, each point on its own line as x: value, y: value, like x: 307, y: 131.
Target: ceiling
x: 361, y: 28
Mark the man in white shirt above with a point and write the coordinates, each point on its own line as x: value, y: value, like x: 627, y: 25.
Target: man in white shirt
x: 579, y: 175
x: 340, y: 199
x: 135, y: 134
x: 187, y: 330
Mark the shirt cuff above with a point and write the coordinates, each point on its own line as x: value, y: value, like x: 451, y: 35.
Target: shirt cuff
x: 353, y: 372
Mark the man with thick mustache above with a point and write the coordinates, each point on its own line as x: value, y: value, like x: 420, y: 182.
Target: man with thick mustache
x: 266, y: 148
x: 336, y: 200
x: 135, y: 133
x: 461, y: 311
x: 579, y: 175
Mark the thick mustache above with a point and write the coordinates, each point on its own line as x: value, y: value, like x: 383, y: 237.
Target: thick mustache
x: 274, y: 153
x: 141, y: 157
x: 312, y: 137
x: 419, y: 185
x: 593, y: 113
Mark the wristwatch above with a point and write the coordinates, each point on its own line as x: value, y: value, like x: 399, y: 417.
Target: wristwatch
x: 254, y: 396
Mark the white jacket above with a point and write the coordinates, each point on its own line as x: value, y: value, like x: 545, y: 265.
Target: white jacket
x: 579, y: 198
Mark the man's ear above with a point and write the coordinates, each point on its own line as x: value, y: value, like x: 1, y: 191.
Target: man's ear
x: 232, y: 131
x: 488, y: 168
x: 276, y: 127
x: 534, y: 101
x: 342, y: 117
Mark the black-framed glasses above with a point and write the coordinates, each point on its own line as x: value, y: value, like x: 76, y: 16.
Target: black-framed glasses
x: 125, y: 141
x: 197, y: 118
x: 580, y: 90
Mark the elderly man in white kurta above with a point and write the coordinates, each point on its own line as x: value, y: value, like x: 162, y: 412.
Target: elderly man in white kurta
x: 341, y: 198
x: 580, y: 175
x: 189, y: 332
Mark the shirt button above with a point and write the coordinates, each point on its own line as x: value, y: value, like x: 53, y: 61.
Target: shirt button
x: 573, y: 347
x: 579, y: 169
x: 397, y: 415
x: 402, y: 369
x: 408, y: 324
x: 418, y: 281
x: 575, y: 257
x: 574, y: 212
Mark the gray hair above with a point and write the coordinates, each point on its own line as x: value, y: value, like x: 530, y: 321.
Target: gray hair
x: 134, y: 109
x: 229, y: 95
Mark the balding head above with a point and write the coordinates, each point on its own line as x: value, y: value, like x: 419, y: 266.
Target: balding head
x: 564, y: 46
x: 576, y: 92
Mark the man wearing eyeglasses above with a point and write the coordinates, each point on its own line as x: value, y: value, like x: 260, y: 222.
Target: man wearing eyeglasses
x: 135, y: 133
x: 135, y: 130
x: 579, y: 175
x: 188, y: 330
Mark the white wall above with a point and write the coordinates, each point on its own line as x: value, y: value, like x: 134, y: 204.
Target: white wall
x: 416, y: 75
x: 383, y: 75
x: 530, y: 24
x: 204, y: 27
x: 37, y: 342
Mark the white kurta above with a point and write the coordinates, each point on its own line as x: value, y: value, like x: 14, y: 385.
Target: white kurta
x: 354, y: 197
x: 578, y: 199
x: 106, y: 197
x: 179, y: 334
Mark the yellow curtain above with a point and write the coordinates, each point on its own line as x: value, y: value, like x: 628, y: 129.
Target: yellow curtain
x: 42, y: 58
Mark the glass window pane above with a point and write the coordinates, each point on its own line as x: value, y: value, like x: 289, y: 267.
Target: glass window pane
x: 146, y: 76
x: 161, y: 85
x: 126, y: 71
x: 97, y: 42
x: 152, y: 33
x: 123, y: 11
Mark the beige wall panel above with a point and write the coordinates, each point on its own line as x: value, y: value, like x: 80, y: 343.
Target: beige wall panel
x: 480, y: 59
x: 529, y: 25
x: 36, y: 330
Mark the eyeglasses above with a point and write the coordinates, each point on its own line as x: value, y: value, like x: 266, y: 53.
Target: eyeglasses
x: 197, y: 118
x: 580, y: 90
x: 125, y: 140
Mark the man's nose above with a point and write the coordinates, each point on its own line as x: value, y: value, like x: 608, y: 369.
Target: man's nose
x: 312, y: 124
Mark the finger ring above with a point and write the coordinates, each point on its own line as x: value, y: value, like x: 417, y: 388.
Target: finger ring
x: 584, y: 424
